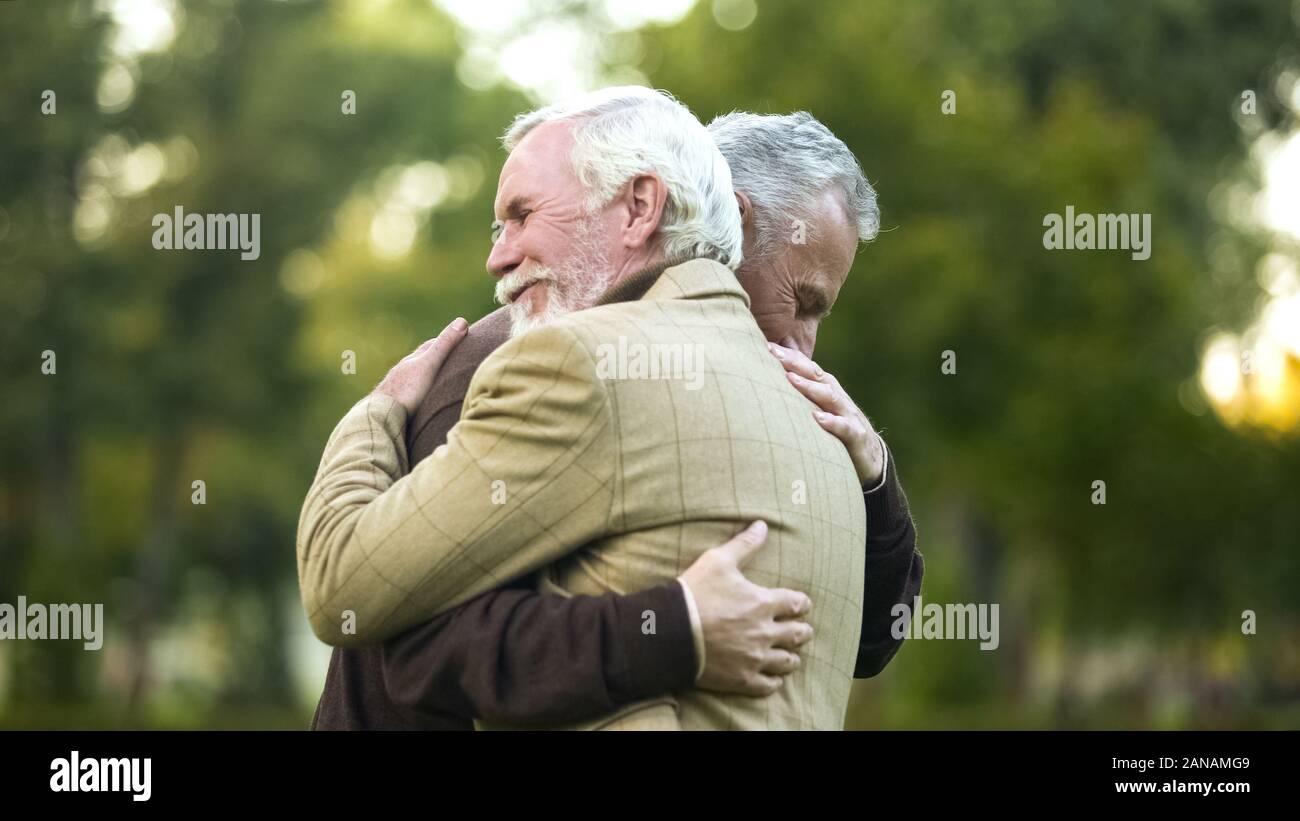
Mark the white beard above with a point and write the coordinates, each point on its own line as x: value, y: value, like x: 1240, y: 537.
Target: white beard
x: 571, y: 286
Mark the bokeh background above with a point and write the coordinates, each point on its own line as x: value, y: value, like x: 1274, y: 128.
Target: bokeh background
x: 1175, y: 380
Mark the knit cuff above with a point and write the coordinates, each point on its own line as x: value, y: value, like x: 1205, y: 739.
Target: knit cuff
x: 885, y: 505
x: 657, y: 662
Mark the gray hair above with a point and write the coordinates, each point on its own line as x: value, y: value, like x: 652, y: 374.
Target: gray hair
x: 624, y: 131
x: 783, y: 163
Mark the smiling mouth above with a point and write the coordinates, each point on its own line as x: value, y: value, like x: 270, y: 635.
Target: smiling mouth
x: 517, y: 292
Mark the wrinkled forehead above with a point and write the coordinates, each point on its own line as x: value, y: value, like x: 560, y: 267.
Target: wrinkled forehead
x: 831, y: 241
x: 540, y: 165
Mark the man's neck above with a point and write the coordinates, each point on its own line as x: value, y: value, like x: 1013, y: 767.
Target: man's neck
x: 634, y: 286
x: 635, y: 264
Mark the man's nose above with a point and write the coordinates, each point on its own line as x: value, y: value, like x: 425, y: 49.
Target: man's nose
x: 504, y: 257
x: 803, y: 339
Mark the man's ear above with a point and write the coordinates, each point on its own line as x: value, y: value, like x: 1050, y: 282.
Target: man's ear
x: 746, y: 209
x: 646, y: 196
x: 746, y: 206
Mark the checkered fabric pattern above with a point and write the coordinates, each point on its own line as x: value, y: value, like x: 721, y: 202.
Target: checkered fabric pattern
x: 600, y: 478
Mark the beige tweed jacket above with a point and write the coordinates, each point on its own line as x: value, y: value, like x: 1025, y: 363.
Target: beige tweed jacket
x: 602, y: 452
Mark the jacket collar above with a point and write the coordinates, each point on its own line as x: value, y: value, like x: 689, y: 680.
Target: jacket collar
x: 680, y: 278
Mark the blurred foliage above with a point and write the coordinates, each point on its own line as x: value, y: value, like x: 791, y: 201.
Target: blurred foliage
x: 1071, y: 367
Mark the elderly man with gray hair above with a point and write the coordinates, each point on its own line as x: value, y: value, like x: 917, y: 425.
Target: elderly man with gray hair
x: 608, y: 487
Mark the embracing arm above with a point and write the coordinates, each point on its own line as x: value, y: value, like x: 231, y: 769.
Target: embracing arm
x: 894, y: 569
x: 522, y: 480
x: 515, y: 657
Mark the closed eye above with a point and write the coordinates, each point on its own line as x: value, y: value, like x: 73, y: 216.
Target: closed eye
x: 516, y: 211
x: 814, y: 302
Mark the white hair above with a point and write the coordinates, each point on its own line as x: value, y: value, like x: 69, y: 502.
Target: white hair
x: 624, y: 131
x: 784, y: 163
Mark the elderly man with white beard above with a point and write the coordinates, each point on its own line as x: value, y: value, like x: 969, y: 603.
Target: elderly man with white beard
x: 543, y: 279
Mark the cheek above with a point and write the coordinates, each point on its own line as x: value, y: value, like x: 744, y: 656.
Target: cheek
x: 599, y: 232
x: 541, y: 241
x: 779, y: 306
x: 551, y: 236
x: 776, y: 327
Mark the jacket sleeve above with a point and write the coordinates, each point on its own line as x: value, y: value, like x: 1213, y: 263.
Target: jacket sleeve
x: 523, y: 479
x: 517, y: 657
x: 894, y: 569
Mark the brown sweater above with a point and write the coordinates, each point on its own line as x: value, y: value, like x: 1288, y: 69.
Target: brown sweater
x: 515, y: 656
